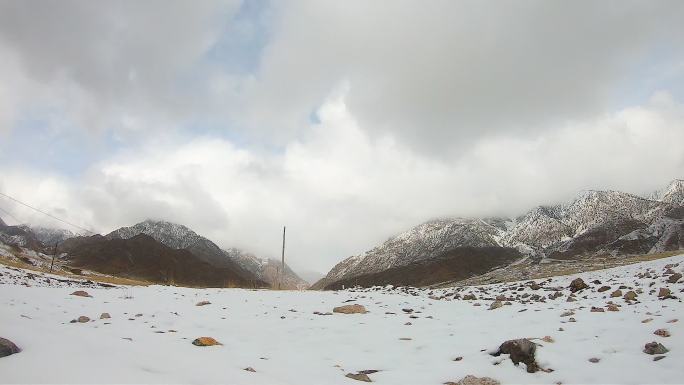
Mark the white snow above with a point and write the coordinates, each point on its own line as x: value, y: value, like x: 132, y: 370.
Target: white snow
x: 304, y: 348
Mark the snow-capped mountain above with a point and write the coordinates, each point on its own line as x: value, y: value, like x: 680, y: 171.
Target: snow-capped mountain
x: 268, y: 270
x: 673, y: 193
x: 178, y: 236
x: 51, y: 236
x: 594, y: 222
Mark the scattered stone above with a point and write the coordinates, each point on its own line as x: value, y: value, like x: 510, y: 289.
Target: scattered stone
x: 83, y: 319
x: 7, y: 347
x: 548, y: 339
x: 603, y: 288
x: 594, y: 360
x: 459, y: 358
x: 578, y: 284
x: 203, y: 303
x: 597, y: 309
x: 662, y: 332
x: 105, y: 316
x: 469, y: 297
x: 350, y: 309
x: 658, y: 358
x: 472, y: 380
x: 616, y: 293
x: 647, y: 320
x: 81, y: 293
x: 612, y: 307
x: 409, y: 311
x: 495, y: 305
x: 655, y: 348
x: 664, y: 292
x: 674, y: 278
x: 520, y: 350
x: 205, y: 341
x: 249, y: 369
x: 567, y: 313
x: 672, y: 321
x: 405, y: 338
x: 358, y: 377
x: 630, y: 296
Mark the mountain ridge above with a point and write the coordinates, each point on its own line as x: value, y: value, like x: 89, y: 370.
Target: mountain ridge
x: 594, y: 221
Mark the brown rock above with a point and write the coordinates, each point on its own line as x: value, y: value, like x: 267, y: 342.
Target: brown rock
x: 664, y: 292
x: 603, y: 288
x: 594, y: 360
x: 83, y: 319
x: 597, y: 309
x: 630, y: 296
x: 203, y: 303
x: 612, y: 307
x: 655, y: 348
x: 662, y: 332
x: 616, y: 293
x: 520, y: 350
x: 674, y: 278
x: 350, y: 309
x: 578, y: 284
x: 249, y: 369
x: 81, y: 293
x: 105, y: 316
x: 205, y: 341
x: 358, y: 377
x: 495, y: 305
x: 7, y: 347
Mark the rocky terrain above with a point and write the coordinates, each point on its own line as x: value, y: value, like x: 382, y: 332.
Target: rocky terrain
x: 593, y: 224
x: 620, y: 325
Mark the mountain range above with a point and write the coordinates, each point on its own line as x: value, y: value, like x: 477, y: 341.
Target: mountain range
x: 595, y: 222
x: 156, y: 251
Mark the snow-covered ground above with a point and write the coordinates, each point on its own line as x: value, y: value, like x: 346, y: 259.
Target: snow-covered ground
x: 277, y: 334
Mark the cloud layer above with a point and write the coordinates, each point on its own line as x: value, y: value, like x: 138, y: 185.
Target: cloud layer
x: 347, y: 122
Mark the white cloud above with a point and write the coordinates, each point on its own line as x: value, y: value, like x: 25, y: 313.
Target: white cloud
x: 340, y: 190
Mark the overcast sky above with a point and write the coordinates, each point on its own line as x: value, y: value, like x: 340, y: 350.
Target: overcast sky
x: 347, y: 121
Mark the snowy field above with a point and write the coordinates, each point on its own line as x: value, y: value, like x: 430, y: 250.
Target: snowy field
x: 148, y: 337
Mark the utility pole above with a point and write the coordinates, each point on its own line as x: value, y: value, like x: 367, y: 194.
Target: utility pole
x: 282, y: 264
x: 53, y: 257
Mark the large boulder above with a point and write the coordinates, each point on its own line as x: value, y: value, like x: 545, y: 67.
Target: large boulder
x: 7, y: 347
x: 578, y: 284
x: 520, y: 350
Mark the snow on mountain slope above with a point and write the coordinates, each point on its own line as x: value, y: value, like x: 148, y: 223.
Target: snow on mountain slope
x: 594, y: 208
x: 440, y: 338
x: 50, y: 236
x: 538, y: 228
x: 542, y: 229
x: 424, y: 241
x: 673, y: 193
x: 172, y: 235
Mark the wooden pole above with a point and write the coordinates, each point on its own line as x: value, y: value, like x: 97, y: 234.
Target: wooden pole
x: 282, y: 263
x: 53, y: 257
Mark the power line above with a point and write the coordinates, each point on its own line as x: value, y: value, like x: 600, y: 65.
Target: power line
x: 44, y: 213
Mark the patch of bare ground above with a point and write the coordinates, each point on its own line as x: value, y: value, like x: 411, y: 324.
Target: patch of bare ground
x: 61, y: 271
x: 552, y: 268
